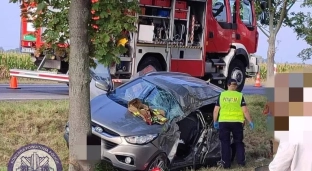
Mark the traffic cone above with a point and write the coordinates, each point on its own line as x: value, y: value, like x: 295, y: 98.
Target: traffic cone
x: 13, y: 83
x: 258, y: 84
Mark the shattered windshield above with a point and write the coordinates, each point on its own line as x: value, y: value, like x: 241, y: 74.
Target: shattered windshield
x: 149, y: 94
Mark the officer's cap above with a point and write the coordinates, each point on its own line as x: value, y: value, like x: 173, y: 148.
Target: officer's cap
x: 232, y: 82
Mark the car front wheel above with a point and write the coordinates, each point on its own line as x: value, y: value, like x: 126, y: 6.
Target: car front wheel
x: 159, y: 163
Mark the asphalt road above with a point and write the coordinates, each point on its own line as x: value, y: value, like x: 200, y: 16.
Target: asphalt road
x: 34, y: 92
x: 60, y: 91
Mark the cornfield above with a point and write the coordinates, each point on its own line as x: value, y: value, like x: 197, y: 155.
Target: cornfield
x: 281, y: 68
x: 22, y: 61
x: 14, y: 60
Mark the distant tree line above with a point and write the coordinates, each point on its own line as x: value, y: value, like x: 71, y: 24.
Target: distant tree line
x: 16, y: 50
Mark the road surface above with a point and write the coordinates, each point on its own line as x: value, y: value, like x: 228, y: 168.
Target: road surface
x: 60, y: 91
x: 34, y: 92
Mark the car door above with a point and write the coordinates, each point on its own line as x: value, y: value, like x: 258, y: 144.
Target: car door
x: 100, y: 73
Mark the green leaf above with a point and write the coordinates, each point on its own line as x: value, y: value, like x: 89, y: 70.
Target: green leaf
x: 305, y: 54
x: 103, y: 14
x: 41, y: 6
x: 106, y: 38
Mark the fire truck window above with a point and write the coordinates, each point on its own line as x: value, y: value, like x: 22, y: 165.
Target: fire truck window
x: 232, y: 4
x: 219, y: 10
x: 246, y: 12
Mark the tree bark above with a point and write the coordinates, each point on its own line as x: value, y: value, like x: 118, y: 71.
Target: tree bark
x: 79, y: 85
x: 272, y: 37
x: 271, y: 55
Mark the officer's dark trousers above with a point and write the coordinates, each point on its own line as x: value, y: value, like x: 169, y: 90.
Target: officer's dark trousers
x: 225, y: 130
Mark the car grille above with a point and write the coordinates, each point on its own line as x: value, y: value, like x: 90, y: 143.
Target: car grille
x: 105, y: 130
x: 95, y: 140
x: 109, y: 145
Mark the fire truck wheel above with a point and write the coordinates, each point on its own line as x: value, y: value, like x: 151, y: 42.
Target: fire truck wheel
x: 237, y: 71
x: 150, y: 61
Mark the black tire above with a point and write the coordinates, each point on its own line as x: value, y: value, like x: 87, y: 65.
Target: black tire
x: 150, y: 61
x: 237, y: 71
x: 161, y: 157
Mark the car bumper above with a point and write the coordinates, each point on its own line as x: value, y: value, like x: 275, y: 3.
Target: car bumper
x: 115, y: 153
x: 141, y: 155
x: 66, y: 137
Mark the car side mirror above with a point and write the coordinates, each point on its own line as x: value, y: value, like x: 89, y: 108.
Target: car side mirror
x: 103, y: 85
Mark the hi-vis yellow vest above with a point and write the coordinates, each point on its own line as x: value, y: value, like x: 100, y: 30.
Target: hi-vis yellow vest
x: 230, y: 107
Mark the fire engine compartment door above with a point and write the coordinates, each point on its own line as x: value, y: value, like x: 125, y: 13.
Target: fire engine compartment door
x: 189, y: 58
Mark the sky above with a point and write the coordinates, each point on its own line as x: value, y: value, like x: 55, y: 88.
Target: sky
x: 288, y: 48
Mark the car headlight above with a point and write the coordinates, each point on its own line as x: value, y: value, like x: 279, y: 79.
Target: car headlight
x: 67, y: 127
x: 141, y: 139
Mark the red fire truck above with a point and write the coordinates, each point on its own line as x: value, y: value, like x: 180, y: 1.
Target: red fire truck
x: 210, y: 39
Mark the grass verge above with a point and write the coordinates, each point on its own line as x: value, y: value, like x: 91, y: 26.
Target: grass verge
x: 43, y: 121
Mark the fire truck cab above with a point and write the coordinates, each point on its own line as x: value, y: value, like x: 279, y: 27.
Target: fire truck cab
x: 210, y: 39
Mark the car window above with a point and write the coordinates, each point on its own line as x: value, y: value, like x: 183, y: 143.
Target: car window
x: 129, y: 91
x: 135, y: 89
x: 233, y: 10
x: 150, y: 95
x: 100, y: 73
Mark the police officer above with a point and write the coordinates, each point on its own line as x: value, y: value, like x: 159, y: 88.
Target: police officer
x: 233, y: 111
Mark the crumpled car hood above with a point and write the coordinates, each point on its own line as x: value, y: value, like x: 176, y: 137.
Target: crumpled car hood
x: 118, y: 119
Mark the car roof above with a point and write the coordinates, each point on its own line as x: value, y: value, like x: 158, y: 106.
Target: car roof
x: 165, y: 73
x: 180, y: 78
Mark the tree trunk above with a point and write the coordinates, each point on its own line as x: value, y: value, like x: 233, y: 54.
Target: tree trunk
x: 270, y: 56
x: 79, y: 85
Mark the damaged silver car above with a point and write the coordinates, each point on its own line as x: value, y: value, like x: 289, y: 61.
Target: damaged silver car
x: 186, y: 139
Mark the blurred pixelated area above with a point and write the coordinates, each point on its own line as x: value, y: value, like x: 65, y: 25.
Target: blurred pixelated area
x: 289, y: 102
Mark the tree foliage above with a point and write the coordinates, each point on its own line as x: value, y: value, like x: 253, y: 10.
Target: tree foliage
x: 277, y: 16
x: 305, y: 54
x: 301, y: 22
x: 109, y: 19
x: 302, y: 26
